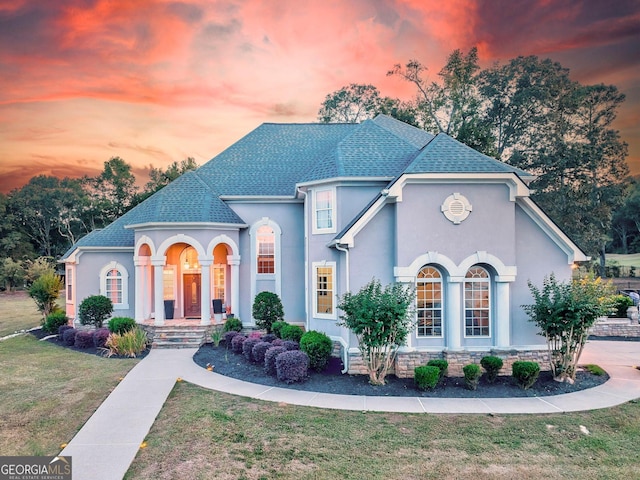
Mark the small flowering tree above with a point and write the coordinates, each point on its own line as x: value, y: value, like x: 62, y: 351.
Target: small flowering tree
x: 564, y: 312
x: 381, y: 319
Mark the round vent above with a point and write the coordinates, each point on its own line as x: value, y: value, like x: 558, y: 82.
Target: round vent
x: 456, y: 208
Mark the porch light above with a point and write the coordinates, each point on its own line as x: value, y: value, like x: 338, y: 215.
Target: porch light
x: 186, y: 265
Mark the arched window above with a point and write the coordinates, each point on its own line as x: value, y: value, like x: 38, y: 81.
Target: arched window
x: 266, y: 258
x: 429, y: 302
x: 477, y: 303
x: 114, y: 284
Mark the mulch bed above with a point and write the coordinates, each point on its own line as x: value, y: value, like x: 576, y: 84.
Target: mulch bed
x: 225, y: 362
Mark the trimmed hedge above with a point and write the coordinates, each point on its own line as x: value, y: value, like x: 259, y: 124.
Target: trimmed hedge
x: 233, y: 324
x: 441, y: 364
x: 492, y: 366
x: 69, y: 337
x: 259, y: 351
x: 268, y: 337
x: 276, y: 328
x: 228, y: 337
x: 83, y: 339
x: 121, y: 325
x: 526, y: 373
x: 290, y: 345
x: 471, y: 375
x: 292, y: 366
x: 54, y: 321
x: 61, y: 330
x: 270, y: 359
x: 236, y: 343
x: 247, y: 348
x: 426, y: 377
x: 100, y: 336
x: 291, y: 332
x: 318, y: 346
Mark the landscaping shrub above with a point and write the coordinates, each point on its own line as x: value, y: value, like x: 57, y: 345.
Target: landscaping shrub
x: 83, y: 339
x: 69, y: 337
x: 620, y: 303
x: 259, y: 350
x: 45, y: 291
x: 270, y: 359
x: 233, y: 324
x: 100, y: 336
x: 54, y: 321
x: 127, y: 344
x: 94, y: 310
x: 595, y: 369
x: 526, y: 373
x: 441, y: 364
x: 257, y: 335
x: 61, y: 330
x: 471, y: 375
x: 121, y: 324
x: 269, y: 337
x: 267, y: 309
x: 276, y: 328
x: 292, y: 366
x: 236, y: 343
x: 277, y: 342
x: 247, y: 348
x: 318, y: 347
x: 228, y: 337
x: 290, y: 345
x: 492, y: 366
x: 291, y: 332
x: 216, y: 334
x: 426, y: 377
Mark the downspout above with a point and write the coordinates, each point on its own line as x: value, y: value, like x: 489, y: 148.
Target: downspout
x: 345, y: 345
x: 306, y: 258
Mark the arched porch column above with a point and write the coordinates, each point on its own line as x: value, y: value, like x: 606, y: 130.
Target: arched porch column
x: 234, y: 262
x: 158, y: 265
x: 205, y: 306
x: 502, y: 313
x: 141, y: 264
x: 453, y: 314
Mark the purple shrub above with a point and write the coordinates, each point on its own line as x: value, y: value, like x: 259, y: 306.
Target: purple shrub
x: 61, y: 330
x: 100, y: 336
x: 292, y: 366
x: 269, y: 337
x: 247, y: 347
x: 236, y: 343
x: 277, y: 342
x: 270, y: 359
x: 69, y: 337
x: 228, y: 337
x: 257, y: 335
x: 291, y: 345
x: 83, y: 339
x: 259, y: 349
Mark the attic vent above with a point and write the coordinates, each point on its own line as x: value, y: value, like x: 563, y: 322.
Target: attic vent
x: 456, y: 208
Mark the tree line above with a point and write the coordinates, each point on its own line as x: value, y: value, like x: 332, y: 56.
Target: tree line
x: 529, y: 113
x: 45, y: 217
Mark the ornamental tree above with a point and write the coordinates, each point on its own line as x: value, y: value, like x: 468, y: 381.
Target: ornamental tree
x: 45, y: 291
x: 381, y: 319
x: 267, y: 309
x: 94, y: 310
x: 564, y: 312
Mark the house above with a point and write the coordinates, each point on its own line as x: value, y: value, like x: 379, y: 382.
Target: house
x: 311, y: 211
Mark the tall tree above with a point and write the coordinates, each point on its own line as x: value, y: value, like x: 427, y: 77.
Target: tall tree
x: 351, y: 104
x: 159, y: 178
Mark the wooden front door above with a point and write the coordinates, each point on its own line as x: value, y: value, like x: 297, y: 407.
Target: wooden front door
x: 192, y: 298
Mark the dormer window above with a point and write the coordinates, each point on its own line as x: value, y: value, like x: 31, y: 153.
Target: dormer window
x: 324, y: 211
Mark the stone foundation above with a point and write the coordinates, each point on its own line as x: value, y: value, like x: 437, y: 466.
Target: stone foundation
x: 407, y: 361
x: 615, y: 327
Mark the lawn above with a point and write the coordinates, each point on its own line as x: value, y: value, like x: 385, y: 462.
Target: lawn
x: 631, y: 260
x: 17, y: 312
x: 48, y: 392
x: 202, y: 434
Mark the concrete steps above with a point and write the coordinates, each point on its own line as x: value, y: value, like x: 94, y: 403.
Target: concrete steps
x: 179, y: 336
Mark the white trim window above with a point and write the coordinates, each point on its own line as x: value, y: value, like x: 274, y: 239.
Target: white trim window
x: 69, y: 282
x: 429, y: 302
x: 477, y: 303
x: 324, y: 274
x: 114, y: 284
x: 324, y: 211
x: 266, y: 251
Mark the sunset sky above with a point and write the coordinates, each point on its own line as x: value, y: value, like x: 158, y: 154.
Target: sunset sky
x: 156, y: 81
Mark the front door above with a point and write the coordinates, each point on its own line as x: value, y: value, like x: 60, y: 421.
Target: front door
x: 192, y: 300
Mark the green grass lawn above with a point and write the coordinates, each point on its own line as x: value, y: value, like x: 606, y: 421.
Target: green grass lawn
x: 48, y: 392
x: 202, y: 434
x: 17, y: 312
x: 631, y: 260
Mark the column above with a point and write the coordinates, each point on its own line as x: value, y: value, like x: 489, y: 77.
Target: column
x: 158, y: 265
x: 453, y: 314
x: 205, y: 292
x: 140, y: 279
x: 502, y: 310
x: 234, y: 262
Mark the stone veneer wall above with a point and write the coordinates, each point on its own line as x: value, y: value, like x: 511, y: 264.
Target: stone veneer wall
x: 616, y: 327
x: 407, y: 361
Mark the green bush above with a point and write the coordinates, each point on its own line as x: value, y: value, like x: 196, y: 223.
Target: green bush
x: 267, y: 309
x: 291, y: 332
x: 121, y: 324
x: 318, y: 346
x: 492, y: 365
x: 441, y: 364
x: 471, y: 375
x: 45, y: 291
x: 127, y: 344
x: 619, y: 306
x: 94, y: 310
x: 233, y: 324
x: 276, y: 328
x: 526, y: 373
x: 54, y: 321
x: 426, y: 377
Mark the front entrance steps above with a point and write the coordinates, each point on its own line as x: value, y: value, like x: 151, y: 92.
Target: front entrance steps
x: 177, y: 336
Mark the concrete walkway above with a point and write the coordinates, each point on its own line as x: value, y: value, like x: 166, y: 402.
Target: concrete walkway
x: 107, y: 444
